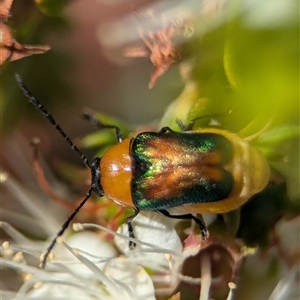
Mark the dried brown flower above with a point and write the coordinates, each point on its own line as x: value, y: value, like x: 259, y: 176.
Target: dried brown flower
x: 162, y: 45
x: 10, y: 49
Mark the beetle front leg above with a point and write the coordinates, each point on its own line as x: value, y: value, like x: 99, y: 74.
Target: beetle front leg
x: 199, y: 222
x: 130, y: 228
x: 90, y: 116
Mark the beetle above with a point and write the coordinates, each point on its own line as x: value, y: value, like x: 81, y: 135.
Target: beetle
x: 197, y: 171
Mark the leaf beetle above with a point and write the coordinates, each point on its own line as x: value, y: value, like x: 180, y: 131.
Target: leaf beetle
x: 197, y: 171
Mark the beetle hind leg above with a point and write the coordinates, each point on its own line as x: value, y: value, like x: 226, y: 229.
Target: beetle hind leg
x: 199, y: 222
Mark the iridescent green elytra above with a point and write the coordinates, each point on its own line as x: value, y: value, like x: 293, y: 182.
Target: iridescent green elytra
x: 174, y: 169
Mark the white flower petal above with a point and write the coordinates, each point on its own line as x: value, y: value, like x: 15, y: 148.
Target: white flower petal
x: 289, y: 235
x: 158, y: 247
x: 89, y: 245
x: 155, y: 229
x: 65, y: 286
x: 132, y: 275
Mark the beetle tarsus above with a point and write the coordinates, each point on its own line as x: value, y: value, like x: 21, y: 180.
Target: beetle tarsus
x: 199, y: 222
x: 90, y: 116
x: 166, y: 129
x: 190, y: 125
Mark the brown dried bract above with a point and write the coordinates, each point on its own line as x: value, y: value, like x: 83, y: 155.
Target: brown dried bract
x: 162, y: 46
x: 10, y: 49
x: 4, y: 9
x: 219, y: 260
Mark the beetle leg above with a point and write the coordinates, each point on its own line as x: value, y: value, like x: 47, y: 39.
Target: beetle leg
x: 199, y: 222
x: 166, y: 129
x: 190, y: 124
x: 130, y: 228
x: 90, y: 116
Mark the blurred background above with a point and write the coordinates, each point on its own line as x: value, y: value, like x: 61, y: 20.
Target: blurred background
x: 237, y: 58
x: 79, y: 71
x: 255, y: 52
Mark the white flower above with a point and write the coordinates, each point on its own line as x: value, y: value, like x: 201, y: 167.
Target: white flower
x: 86, y: 266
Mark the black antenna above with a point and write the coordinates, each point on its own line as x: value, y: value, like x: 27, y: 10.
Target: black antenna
x: 95, y: 164
x: 49, y: 117
x: 63, y: 228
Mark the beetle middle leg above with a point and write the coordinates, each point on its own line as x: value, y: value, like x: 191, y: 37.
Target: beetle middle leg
x: 199, y: 222
x: 130, y: 228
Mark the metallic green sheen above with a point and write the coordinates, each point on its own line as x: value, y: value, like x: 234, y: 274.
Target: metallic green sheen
x: 178, y: 168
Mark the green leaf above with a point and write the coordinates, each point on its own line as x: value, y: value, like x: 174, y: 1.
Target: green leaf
x: 278, y: 135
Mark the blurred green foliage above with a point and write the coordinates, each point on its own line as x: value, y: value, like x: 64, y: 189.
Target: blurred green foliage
x: 246, y: 71
x: 51, y: 8
x: 43, y: 72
